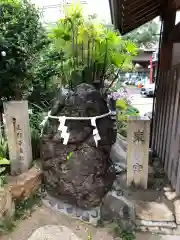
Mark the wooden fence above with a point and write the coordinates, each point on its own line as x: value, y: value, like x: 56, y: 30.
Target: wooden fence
x: 166, y: 124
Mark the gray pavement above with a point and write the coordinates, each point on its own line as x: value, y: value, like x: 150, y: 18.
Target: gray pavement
x: 148, y: 236
x: 165, y: 237
x: 142, y: 103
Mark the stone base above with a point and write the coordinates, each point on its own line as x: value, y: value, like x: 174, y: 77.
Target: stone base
x: 91, y: 216
x: 23, y: 186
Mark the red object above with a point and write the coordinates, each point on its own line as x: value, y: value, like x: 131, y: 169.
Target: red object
x: 151, y: 71
x: 139, y: 85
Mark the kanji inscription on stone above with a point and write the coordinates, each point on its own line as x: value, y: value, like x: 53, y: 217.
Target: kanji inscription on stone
x: 138, y: 151
x: 137, y: 167
x: 138, y: 136
x: 18, y: 135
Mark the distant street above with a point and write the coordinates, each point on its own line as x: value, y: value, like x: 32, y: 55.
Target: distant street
x: 143, y: 104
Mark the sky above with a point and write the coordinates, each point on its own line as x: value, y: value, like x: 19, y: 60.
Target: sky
x: 99, y: 7
x: 52, y: 12
x: 177, y: 17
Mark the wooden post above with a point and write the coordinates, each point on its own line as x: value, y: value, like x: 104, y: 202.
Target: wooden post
x: 138, y: 151
x: 168, y: 19
x: 18, y: 135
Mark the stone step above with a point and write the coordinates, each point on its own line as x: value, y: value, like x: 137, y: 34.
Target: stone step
x: 153, y: 211
x: 145, y: 223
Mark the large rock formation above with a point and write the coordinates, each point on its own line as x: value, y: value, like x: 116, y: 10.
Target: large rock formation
x: 79, y: 172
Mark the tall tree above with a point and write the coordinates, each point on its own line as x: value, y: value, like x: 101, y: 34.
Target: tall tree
x: 145, y: 36
x: 21, y: 38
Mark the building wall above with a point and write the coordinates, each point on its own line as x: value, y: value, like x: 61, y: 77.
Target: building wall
x: 143, y: 57
x: 176, y: 54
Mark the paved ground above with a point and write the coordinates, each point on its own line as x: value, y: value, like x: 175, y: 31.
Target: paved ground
x: 166, y: 237
x: 44, y: 216
x: 144, y: 104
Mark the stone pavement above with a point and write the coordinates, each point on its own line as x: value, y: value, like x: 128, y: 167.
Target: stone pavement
x: 44, y: 216
x: 142, y: 103
x: 165, y: 237
x: 148, y: 236
x: 53, y: 232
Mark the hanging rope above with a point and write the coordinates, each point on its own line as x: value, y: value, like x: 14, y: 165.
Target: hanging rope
x: 65, y: 135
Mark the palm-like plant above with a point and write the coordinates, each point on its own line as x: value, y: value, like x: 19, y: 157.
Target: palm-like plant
x: 89, y: 47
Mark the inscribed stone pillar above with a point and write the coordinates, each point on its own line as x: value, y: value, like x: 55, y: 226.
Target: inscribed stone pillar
x: 138, y: 151
x: 18, y: 135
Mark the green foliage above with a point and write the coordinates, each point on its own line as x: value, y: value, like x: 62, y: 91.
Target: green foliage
x: 7, y: 225
x: 122, y: 117
x: 123, y: 234
x: 26, y: 206
x: 121, y: 104
x: 3, y: 160
x: 83, y: 46
x: 89, y: 236
x: 69, y: 156
x: 3, y: 148
x: 132, y: 111
x: 21, y: 37
x: 146, y: 35
x: 22, y: 210
x: 35, y: 120
x: 46, y: 77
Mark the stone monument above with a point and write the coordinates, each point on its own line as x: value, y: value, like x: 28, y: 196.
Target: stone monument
x: 78, y: 168
x: 18, y: 134
x: 138, y: 151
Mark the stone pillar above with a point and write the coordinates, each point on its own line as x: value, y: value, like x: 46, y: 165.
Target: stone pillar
x: 138, y: 151
x: 18, y: 135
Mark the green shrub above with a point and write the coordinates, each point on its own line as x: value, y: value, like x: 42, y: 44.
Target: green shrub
x: 7, y: 225
x: 124, y: 234
x: 35, y: 120
x: 123, y: 131
x: 121, y: 104
x: 3, y: 147
x: 122, y: 118
x: 132, y: 111
x: 4, y: 162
